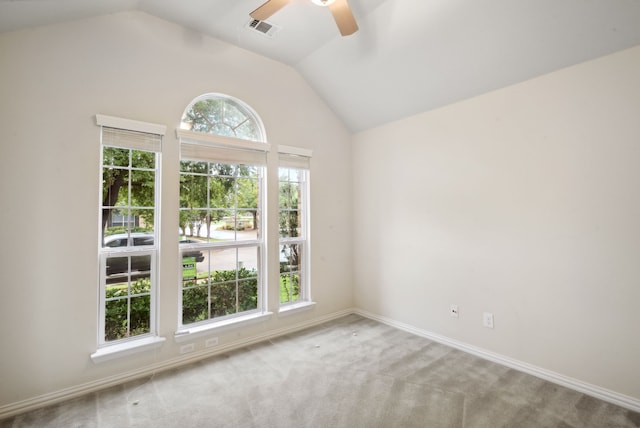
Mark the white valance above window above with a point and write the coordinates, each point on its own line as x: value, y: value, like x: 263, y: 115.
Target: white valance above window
x: 217, y: 148
x: 294, y: 157
x: 130, y: 134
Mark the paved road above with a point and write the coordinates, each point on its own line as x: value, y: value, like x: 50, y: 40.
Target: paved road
x: 226, y: 259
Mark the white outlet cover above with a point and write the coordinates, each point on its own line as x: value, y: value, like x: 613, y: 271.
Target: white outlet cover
x: 190, y: 347
x: 453, y: 311
x: 487, y: 319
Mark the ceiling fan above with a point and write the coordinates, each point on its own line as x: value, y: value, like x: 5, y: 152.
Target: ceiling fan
x: 339, y: 9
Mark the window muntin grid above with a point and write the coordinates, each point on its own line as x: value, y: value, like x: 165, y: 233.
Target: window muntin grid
x: 128, y: 249
x: 293, y: 235
x: 222, y: 115
x: 220, y: 223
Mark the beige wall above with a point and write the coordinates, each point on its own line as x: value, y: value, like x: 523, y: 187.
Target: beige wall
x: 53, y: 81
x: 524, y: 202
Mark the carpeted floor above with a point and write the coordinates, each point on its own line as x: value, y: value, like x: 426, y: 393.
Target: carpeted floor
x: 351, y: 372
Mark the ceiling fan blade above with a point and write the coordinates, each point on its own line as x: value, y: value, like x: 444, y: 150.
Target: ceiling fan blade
x: 343, y: 16
x: 268, y: 8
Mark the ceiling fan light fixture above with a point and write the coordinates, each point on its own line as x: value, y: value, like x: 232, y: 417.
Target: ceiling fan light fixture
x: 338, y: 8
x: 323, y: 2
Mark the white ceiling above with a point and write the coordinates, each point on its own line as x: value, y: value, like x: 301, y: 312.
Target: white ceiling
x: 408, y: 57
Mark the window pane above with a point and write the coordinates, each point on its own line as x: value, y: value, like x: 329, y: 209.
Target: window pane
x: 116, y: 319
x: 292, y: 206
x: 247, y: 171
x: 290, y: 255
x: 220, y: 220
x: 289, y: 224
x: 233, y: 275
x: 140, y: 264
x: 224, y: 260
x: 193, y: 191
x: 243, y: 221
x: 117, y: 265
x: 194, y: 304
x: 140, y: 315
x: 247, y: 225
x: 142, y: 188
x: 289, y: 174
x: 248, y: 295
x: 115, y: 156
x: 142, y: 285
x: 127, y: 308
x: 247, y: 193
x: 235, y: 226
x: 142, y: 159
x: 222, y: 192
x: 128, y: 223
x: 137, y: 265
x: 202, y: 115
x: 116, y: 221
x: 222, y: 169
x: 142, y: 221
x: 233, y: 116
x: 294, y: 175
x: 294, y: 196
x: 193, y: 223
x: 222, y: 116
x: 289, y: 288
x: 247, y: 131
x: 194, y: 167
x: 290, y: 196
x: 223, y: 299
x: 227, y: 227
x: 115, y: 187
x: 195, y: 280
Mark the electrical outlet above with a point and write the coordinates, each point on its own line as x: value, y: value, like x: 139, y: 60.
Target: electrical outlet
x: 189, y: 347
x: 213, y: 341
x: 453, y: 311
x: 487, y: 319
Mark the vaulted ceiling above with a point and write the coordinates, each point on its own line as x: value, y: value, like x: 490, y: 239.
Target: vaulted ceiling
x: 407, y: 57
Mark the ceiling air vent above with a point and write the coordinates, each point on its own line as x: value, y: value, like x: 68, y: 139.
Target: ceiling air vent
x: 263, y: 27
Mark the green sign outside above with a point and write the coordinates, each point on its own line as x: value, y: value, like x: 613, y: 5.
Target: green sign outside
x: 189, y: 268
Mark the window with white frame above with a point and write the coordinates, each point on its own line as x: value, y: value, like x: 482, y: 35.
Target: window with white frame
x: 128, y: 250
x: 293, y: 186
x: 221, y: 208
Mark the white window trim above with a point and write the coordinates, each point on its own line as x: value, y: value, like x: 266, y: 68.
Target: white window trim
x: 296, y: 307
x: 215, y: 327
x: 123, y: 349
x: 299, y: 158
x: 153, y: 253
x: 262, y: 135
x: 213, y: 140
x: 233, y: 318
x: 110, y: 350
x: 186, y: 138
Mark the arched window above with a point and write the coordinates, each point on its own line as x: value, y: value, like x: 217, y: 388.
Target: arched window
x: 223, y: 155
x: 223, y: 115
x: 223, y: 158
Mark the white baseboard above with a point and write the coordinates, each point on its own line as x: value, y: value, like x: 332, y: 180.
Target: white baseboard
x: 23, y: 406
x: 557, y: 378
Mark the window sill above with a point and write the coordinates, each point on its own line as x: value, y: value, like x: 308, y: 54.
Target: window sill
x: 191, y: 333
x: 124, y: 349
x: 295, y: 308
